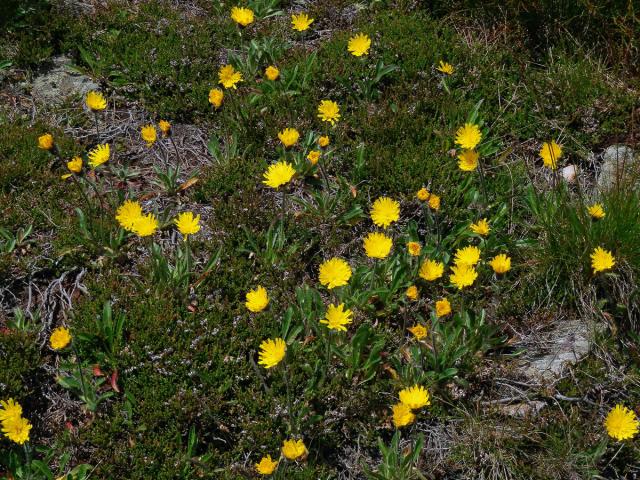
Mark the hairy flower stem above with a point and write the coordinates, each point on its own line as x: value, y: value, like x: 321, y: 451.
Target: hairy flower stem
x: 284, y: 204
x: 175, y: 147
x: 95, y: 119
x: 285, y: 372
x: 324, y: 174
x: 82, y: 382
x: 483, y: 184
x: 82, y: 192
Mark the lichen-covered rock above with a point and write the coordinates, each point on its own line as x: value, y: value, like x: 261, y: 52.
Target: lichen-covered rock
x: 61, y: 82
x: 618, y: 162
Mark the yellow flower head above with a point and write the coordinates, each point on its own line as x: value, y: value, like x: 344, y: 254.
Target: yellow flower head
x: 75, y: 165
x: 145, y: 225
x: 377, y: 245
x: 443, y: 308
x: 414, y: 248
x: 324, y: 141
x: 266, y: 466
x: 359, y: 45
x: 149, y: 134
x: 468, y: 136
x: 423, y: 194
x: 187, y: 223
x: 415, y: 397
x: 215, y: 97
x: 550, y: 154
x: 402, y: 415
x: 335, y: 272
x: 418, y: 331
x: 99, y: 155
x: 412, y: 292
x: 228, y: 77
x: 463, y: 275
x: 500, y: 264
x: 602, y: 260
x: 337, y: 317
x: 271, y: 352
x: 621, y: 423
x: 289, y: 137
x: 434, y: 202
x: 314, y: 156
x: 95, y: 101
x: 9, y: 409
x: 468, y: 160
x: 16, y: 429
x: 128, y: 214
x: 45, y: 142
x: 60, y: 338
x: 165, y: 128
x: 301, y: 21
x: 481, y: 227
x: 385, y: 211
x: 597, y: 211
x: 328, y: 111
x: 242, y: 16
x: 257, y: 300
x: 278, y: 174
x: 467, y: 256
x: 272, y: 73
x: 445, y: 68
x: 431, y: 270
x: 293, y: 449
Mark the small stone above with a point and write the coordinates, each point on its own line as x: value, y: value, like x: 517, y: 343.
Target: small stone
x: 618, y: 161
x: 569, y: 173
x: 523, y: 410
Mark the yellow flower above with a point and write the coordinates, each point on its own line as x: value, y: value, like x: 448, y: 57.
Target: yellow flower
x: 314, y: 156
x: 481, y: 227
x: 95, y: 101
x: 145, y: 225
x: 445, y: 67
x: 187, y: 224
x: 434, y: 202
x: 271, y: 352
x: 412, y: 292
x: 228, y: 77
x: 468, y: 160
x: 257, y: 300
x: 385, y: 211
x: 500, y: 264
x: 418, y: 331
x: 293, y: 449
x: 278, y: 174
x: 467, y: 256
x: 60, y: 338
x: 165, y: 128
x: 328, y: 111
x: 550, y: 154
x: 266, y: 465
x: 597, y: 211
x: 272, y: 73
x: 323, y: 141
x: 16, y: 429
x: 128, y: 214
x: 423, y: 194
x: 99, y: 155
x: 148, y: 134
x: 289, y: 137
x: 602, y: 260
x: 621, y: 423
x: 337, y: 317
x: 415, y: 397
x: 335, y: 272
x: 431, y: 270
x: 10, y: 409
x: 414, y: 248
x: 75, y: 165
x: 301, y: 22
x: 359, y: 45
x: 377, y: 245
x: 468, y: 136
x: 402, y: 415
x: 443, y: 308
x: 215, y: 97
x: 45, y: 142
x: 463, y: 275
x: 242, y: 16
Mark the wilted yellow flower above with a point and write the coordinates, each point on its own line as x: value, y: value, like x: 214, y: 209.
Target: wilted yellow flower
x: 323, y: 141
x: 128, y: 214
x: 301, y: 21
x: 621, y: 423
x: 257, y: 299
x: 242, y: 16
x: 60, y: 338
x: 415, y: 397
x: 9, y: 409
x: 328, y: 111
x: 500, y: 264
x: 337, y: 317
x: 272, y: 73
x: 377, y: 245
x: 550, y: 154
x: 423, y: 194
x: 418, y: 331
x: 266, y: 466
x: 402, y: 415
x: 597, y: 211
x: 95, y: 101
x: 165, y: 128
x: 145, y: 225
x: 215, y: 97
x: 228, y: 77
x: 187, y: 224
x: 289, y: 137
x: 468, y: 255
x: 468, y: 160
x: 335, y: 272
x: 278, y: 174
x: 149, y: 134
x: 16, y: 429
x: 75, y: 165
x: 412, y: 292
x: 431, y: 270
x: 293, y: 449
x: 434, y: 202
x: 463, y: 275
x: 272, y: 352
x: 359, y: 45
x: 468, y: 136
x: 99, y: 155
x: 443, y: 308
x: 602, y: 260
x: 314, y: 156
x: 385, y: 211
x: 481, y: 227
x: 445, y: 67
x: 414, y: 248
x: 45, y: 142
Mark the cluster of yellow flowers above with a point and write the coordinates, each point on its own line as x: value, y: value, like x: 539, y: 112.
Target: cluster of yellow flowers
x: 14, y: 426
x: 131, y: 218
x: 411, y: 399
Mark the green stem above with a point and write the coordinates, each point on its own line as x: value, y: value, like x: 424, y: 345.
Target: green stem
x: 482, y: 184
x: 95, y: 119
x: 289, y: 398
x: 82, y: 382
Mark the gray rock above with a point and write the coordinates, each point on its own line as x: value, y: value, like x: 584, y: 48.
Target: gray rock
x: 618, y: 161
x: 523, y: 410
x: 569, y: 173
x: 61, y: 82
